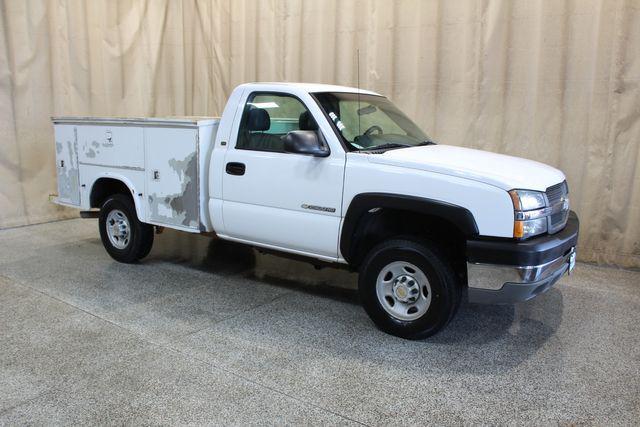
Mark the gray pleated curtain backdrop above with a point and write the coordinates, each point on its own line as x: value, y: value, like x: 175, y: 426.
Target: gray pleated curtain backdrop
x: 554, y: 81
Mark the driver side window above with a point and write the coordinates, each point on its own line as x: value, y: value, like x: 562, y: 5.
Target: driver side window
x: 267, y: 117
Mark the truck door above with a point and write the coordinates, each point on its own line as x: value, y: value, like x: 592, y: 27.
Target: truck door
x: 282, y: 200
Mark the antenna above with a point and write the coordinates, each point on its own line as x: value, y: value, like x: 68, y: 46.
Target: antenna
x: 358, y: 83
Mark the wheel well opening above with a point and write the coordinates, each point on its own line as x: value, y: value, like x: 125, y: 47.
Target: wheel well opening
x: 378, y: 225
x: 105, y: 187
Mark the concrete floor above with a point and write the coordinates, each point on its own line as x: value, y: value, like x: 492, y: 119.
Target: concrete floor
x: 208, y: 332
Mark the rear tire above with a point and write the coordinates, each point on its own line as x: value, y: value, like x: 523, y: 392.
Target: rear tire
x: 408, y: 288
x: 124, y: 237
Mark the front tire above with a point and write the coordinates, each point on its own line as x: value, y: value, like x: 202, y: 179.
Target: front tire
x: 408, y: 288
x: 124, y: 237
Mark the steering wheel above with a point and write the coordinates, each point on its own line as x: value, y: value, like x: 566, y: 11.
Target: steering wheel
x: 373, y: 128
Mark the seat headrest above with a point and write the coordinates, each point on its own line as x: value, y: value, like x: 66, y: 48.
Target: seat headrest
x: 307, y: 122
x: 258, y: 119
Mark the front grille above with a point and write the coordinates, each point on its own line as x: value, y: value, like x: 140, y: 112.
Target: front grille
x: 556, y: 196
x: 556, y: 192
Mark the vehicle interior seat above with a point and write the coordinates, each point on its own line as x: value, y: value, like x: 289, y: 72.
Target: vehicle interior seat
x: 256, y: 136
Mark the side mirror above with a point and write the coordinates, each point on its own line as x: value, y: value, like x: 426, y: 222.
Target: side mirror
x: 305, y: 142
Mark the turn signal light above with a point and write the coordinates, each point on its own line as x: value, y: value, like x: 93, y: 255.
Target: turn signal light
x: 518, y: 229
x: 515, y: 199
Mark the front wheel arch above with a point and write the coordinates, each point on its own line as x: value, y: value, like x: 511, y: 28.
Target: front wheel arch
x: 375, y: 217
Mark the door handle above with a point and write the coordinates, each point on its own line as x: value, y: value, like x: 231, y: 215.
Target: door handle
x: 234, y: 168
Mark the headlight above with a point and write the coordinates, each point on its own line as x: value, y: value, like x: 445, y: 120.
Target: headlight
x: 530, y: 213
x: 525, y: 200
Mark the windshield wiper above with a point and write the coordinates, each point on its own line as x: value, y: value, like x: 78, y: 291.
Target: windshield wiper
x: 386, y: 146
x: 427, y: 142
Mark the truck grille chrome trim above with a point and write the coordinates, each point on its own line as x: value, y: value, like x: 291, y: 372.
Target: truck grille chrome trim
x: 558, y: 201
x: 539, y: 213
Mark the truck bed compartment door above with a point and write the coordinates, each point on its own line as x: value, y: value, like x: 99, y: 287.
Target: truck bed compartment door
x: 172, y: 176
x: 67, y: 164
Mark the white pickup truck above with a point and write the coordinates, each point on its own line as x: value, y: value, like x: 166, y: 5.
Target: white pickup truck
x: 335, y: 175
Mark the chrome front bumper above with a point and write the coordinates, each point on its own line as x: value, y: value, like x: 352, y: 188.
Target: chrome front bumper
x: 505, y: 284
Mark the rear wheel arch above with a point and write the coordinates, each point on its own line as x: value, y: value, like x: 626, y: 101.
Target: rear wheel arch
x: 104, y: 187
x: 373, y: 217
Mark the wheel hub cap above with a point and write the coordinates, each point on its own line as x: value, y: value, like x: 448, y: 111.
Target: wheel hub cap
x: 405, y: 288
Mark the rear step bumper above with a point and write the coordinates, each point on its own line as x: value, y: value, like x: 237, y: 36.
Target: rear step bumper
x: 90, y: 214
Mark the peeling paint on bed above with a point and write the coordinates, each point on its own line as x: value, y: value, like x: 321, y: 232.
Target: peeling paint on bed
x: 160, y: 210
x: 90, y: 150
x: 171, y: 162
x: 68, y: 175
x: 187, y: 201
x: 180, y: 206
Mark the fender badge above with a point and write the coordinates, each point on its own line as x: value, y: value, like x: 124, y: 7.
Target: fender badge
x: 317, y: 208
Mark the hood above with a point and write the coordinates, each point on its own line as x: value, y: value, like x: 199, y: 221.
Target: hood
x: 506, y: 172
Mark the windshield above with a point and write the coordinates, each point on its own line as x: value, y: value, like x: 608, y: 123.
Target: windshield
x: 367, y: 122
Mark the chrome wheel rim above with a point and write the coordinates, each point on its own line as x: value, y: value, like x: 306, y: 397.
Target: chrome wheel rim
x: 118, y: 229
x: 403, y: 290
